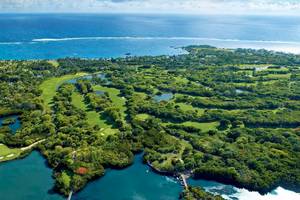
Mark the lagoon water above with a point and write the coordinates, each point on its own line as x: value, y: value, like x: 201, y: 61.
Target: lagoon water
x: 45, y: 36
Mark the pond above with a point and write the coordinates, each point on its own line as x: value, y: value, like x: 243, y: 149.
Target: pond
x: 136, y: 182
x: 88, y: 77
x: 163, y: 97
x: 99, y: 92
x: 14, y: 125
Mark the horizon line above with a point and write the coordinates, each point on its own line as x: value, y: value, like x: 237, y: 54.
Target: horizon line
x: 155, y: 13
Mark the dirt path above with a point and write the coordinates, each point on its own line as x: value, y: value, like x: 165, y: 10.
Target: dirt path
x: 32, y: 145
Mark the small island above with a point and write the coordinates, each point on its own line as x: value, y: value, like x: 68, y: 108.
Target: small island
x: 229, y: 115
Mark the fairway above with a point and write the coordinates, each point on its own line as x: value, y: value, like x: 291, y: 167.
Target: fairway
x: 114, y: 95
x: 49, y: 86
x: 203, y: 126
x: 142, y: 117
x: 7, y: 153
x: 188, y: 107
x: 54, y: 63
x: 93, y: 117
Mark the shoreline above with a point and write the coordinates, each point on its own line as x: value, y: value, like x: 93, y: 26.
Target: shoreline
x: 178, y: 177
x: 172, y: 47
x: 24, y: 152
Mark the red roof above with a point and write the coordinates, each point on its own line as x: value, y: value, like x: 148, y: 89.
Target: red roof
x: 82, y: 170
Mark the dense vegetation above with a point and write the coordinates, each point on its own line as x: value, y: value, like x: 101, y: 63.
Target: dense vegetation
x: 233, y: 115
x: 196, y: 193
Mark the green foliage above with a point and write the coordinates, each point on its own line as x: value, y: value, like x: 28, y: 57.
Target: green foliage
x: 197, y: 193
x: 234, y: 116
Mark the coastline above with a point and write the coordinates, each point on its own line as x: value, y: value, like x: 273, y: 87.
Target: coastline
x: 178, y: 177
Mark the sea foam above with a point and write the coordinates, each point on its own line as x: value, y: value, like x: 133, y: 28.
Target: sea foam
x: 162, y: 38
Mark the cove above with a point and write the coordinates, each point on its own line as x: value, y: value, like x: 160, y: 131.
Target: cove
x: 30, y: 178
x: 136, y: 182
x: 27, y: 179
x: 13, y: 126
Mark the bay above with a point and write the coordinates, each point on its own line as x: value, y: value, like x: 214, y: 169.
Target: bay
x: 136, y: 182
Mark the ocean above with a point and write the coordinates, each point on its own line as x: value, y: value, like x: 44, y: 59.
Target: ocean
x: 50, y: 36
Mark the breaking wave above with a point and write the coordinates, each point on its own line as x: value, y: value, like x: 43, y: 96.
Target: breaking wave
x: 46, y: 40
x: 161, y: 38
x: 10, y: 43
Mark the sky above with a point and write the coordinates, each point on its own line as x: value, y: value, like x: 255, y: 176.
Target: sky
x: 262, y: 7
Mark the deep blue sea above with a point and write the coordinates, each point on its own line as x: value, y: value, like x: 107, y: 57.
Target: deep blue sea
x: 48, y: 36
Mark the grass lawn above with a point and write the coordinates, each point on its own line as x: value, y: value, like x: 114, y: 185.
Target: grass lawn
x: 167, y: 163
x: 280, y: 76
x: 203, y: 126
x: 141, y: 95
x: 177, y: 95
x: 49, y: 86
x: 142, y: 117
x: 181, y: 79
x: 7, y: 153
x: 188, y: 107
x: 54, y: 63
x: 253, y: 65
x: 78, y: 101
x: 93, y: 117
